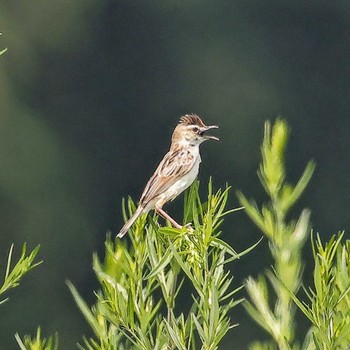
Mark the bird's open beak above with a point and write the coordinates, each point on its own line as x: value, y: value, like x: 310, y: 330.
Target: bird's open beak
x: 210, y: 137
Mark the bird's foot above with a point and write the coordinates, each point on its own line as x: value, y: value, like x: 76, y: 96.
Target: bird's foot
x: 188, y: 227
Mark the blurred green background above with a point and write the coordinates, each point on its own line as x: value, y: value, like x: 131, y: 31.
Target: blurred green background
x: 90, y: 92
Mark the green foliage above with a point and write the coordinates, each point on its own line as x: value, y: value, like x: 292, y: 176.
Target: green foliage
x: 37, y: 343
x: 11, y: 280
x: 141, y: 279
x: 329, y: 301
x: 24, y: 264
x: 137, y: 306
x: 286, y: 239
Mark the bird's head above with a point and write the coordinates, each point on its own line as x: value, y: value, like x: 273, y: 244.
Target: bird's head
x: 192, y: 130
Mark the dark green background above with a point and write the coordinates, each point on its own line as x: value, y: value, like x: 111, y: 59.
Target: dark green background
x: 90, y: 92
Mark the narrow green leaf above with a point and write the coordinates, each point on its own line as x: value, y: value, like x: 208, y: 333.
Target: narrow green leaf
x: 230, y: 211
x: 162, y: 263
x: 244, y: 252
x: 217, y: 242
x: 8, y: 266
x: 175, y: 336
x: 252, y: 211
x: 200, y: 329
x: 233, y: 292
x: 213, y: 304
x: 300, y: 186
x: 84, y: 308
x: 20, y: 342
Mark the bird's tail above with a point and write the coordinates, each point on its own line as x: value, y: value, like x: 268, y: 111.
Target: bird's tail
x: 130, y: 222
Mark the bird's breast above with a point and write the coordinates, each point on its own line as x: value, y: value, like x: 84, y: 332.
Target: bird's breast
x: 185, y: 181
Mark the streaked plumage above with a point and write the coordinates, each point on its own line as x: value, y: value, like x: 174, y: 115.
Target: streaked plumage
x: 176, y: 171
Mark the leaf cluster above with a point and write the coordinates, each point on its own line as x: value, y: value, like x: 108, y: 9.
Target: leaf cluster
x: 142, y: 282
x: 286, y: 239
x: 37, y: 343
x: 328, y: 306
x: 14, y: 274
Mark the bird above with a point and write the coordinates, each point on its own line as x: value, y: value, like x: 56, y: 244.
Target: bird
x: 176, y: 171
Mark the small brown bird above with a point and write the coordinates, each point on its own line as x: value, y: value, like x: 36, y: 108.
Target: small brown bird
x: 176, y: 171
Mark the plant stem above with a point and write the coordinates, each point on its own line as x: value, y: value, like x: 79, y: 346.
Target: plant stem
x: 170, y: 309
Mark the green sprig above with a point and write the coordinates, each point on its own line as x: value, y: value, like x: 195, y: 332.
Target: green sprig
x: 14, y: 274
x: 37, y: 343
x: 286, y: 240
x: 141, y: 282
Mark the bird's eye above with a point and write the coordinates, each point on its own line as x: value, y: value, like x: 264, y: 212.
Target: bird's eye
x: 195, y: 129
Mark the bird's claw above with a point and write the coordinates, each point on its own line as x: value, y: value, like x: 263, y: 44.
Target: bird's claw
x: 189, y: 227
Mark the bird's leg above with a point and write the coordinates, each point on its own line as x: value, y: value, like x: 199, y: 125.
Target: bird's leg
x: 166, y: 216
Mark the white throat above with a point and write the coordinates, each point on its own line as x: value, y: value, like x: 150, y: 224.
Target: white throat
x: 187, y: 143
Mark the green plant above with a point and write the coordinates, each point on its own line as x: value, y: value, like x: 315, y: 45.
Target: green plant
x: 24, y: 264
x: 13, y: 275
x: 286, y: 240
x: 137, y: 306
x: 37, y: 343
x: 142, y: 280
x: 328, y: 307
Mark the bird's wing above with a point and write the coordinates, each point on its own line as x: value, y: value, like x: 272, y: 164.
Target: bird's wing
x: 174, y: 165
